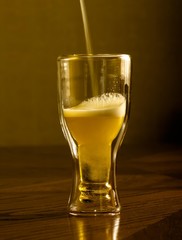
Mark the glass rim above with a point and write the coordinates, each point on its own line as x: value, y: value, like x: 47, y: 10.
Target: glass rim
x: 93, y: 56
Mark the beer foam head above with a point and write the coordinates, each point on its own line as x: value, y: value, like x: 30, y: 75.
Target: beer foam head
x: 105, y: 104
x: 106, y: 100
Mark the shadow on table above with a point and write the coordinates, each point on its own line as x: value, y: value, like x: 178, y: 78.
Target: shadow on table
x: 169, y: 228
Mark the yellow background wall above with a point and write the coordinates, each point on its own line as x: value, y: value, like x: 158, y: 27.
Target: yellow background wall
x: 34, y: 32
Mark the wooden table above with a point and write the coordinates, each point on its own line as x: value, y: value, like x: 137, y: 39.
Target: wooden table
x: 35, y: 185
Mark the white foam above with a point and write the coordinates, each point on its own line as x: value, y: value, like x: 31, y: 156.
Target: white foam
x: 106, y: 104
x: 104, y: 101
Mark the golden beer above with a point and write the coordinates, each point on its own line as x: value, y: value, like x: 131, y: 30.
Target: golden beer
x: 94, y: 124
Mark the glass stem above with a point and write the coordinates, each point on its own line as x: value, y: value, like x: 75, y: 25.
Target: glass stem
x: 95, y: 162
x: 95, y: 166
x: 94, y: 189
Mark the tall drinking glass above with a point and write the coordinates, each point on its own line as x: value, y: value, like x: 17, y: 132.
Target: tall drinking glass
x: 94, y: 100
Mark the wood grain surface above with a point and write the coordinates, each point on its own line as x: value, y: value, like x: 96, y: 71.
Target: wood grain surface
x: 35, y: 185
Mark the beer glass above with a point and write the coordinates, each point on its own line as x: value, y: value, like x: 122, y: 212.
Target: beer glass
x: 94, y: 102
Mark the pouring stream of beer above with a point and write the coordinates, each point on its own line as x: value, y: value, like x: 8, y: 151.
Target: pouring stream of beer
x: 89, y: 47
x: 86, y: 28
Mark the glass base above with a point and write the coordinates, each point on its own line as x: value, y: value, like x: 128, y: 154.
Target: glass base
x: 92, y: 214
x: 95, y: 202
